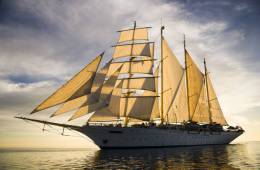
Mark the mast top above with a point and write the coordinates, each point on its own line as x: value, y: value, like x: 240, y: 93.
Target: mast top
x: 184, y: 41
x: 205, y: 66
x: 162, y: 28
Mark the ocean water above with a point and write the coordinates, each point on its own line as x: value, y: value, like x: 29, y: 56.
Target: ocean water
x: 234, y: 156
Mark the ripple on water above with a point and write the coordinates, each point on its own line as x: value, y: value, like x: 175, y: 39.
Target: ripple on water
x: 237, y: 156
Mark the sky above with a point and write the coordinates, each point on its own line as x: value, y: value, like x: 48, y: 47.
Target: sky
x: 44, y: 43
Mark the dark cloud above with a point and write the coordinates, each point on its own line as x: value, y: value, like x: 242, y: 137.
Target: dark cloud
x: 21, y: 14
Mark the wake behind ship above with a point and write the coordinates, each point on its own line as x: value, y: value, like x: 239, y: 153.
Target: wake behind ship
x: 140, y: 100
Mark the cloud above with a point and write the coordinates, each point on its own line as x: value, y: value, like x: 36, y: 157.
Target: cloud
x: 44, y: 43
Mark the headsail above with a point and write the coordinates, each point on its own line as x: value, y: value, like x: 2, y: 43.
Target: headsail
x: 112, y: 111
x: 103, y: 101
x: 88, y: 109
x: 88, y: 98
x: 76, y: 103
x: 79, y: 85
x: 100, y: 78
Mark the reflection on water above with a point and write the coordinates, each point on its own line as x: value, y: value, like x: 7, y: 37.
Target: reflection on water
x: 244, y: 156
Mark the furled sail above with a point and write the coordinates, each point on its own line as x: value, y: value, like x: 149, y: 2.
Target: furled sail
x: 79, y: 85
x: 133, y: 34
x: 195, y: 80
x: 133, y: 50
x: 88, y: 98
x: 216, y: 112
x: 172, y: 76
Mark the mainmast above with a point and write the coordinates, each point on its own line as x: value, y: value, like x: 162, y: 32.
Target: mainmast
x: 206, y: 81
x: 187, y: 82
x: 162, y: 90
x: 130, y: 75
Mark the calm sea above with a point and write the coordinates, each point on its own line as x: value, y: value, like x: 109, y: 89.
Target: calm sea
x: 235, y: 156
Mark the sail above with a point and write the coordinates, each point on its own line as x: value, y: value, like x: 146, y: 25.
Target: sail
x: 145, y: 66
x: 132, y: 93
x: 194, y: 81
x: 79, y: 85
x: 178, y: 109
x: 88, y: 109
x: 156, y: 110
x: 103, y: 115
x: 86, y: 99
x: 139, y: 34
x: 133, y: 101
x: 112, y: 111
x: 216, y: 112
x: 116, y: 100
x: 142, y: 108
x: 156, y: 80
x: 146, y: 83
x: 108, y: 86
x: 76, y: 103
x: 82, y: 102
x: 113, y: 68
x: 172, y: 75
x: 100, y: 78
x: 201, y: 113
x: 133, y: 50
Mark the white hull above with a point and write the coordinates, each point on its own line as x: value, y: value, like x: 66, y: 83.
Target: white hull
x: 128, y: 137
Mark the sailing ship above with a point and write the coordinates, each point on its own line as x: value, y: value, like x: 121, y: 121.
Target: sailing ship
x: 132, y: 102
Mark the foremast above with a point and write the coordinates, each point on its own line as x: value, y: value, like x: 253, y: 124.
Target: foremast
x: 130, y: 75
x: 135, y: 53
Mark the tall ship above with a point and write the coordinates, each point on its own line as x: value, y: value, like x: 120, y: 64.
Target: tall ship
x: 139, y: 99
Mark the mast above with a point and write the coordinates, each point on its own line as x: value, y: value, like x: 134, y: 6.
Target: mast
x: 187, y: 82
x: 206, y: 81
x: 162, y: 90
x: 130, y: 75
